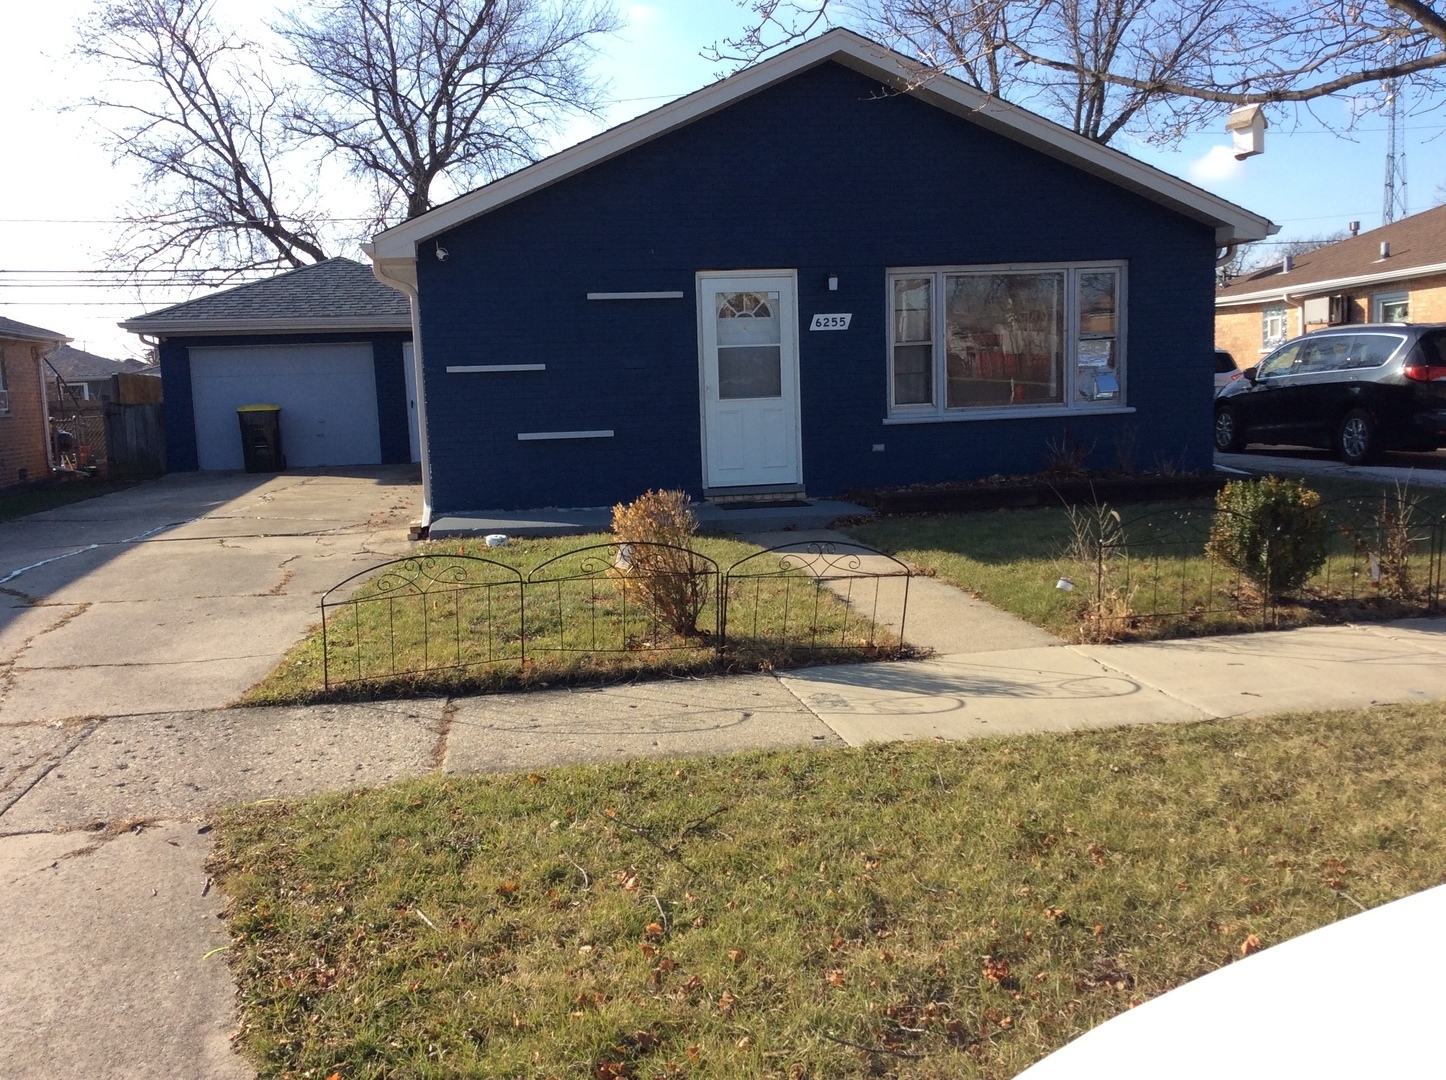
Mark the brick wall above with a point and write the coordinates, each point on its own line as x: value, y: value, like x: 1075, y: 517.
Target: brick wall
x: 1238, y: 329
x: 22, y: 430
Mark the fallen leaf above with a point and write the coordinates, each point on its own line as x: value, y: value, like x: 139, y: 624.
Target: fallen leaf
x: 653, y: 930
x: 836, y: 977
x: 745, y: 1043
x: 725, y: 1002
x: 649, y: 950
x: 1250, y: 945
x: 737, y: 956
x: 694, y: 1053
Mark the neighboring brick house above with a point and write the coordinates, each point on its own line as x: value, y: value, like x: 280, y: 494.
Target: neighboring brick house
x: 1396, y: 273
x: 24, y: 455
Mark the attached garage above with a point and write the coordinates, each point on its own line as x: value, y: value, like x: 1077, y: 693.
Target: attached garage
x: 327, y: 343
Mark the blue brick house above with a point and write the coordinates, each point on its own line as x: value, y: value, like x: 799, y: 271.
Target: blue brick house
x: 818, y: 274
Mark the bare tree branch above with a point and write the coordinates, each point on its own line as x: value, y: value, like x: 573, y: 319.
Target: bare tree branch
x: 189, y: 105
x: 416, y: 92
x: 1158, y: 67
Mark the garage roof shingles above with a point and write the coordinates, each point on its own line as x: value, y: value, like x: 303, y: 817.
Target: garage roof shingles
x: 338, y: 294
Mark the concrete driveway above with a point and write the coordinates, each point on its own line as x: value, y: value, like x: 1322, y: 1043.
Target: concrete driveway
x: 184, y: 592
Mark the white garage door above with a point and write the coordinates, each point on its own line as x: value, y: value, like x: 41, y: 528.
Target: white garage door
x: 327, y: 394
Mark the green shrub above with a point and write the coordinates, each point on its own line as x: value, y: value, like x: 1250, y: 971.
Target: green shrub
x: 673, y: 583
x: 1271, y: 530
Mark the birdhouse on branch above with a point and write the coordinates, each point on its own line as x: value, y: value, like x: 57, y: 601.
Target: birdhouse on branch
x: 1247, y: 129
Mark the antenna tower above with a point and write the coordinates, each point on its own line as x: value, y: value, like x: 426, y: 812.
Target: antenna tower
x: 1395, y: 204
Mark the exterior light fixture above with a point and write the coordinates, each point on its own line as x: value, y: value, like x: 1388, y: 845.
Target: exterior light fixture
x: 833, y: 283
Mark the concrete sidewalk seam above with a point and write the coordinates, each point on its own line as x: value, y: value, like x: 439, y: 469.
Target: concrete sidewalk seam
x: 777, y: 677
x: 1205, y: 714
x: 69, y: 748
x: 1379, y: 630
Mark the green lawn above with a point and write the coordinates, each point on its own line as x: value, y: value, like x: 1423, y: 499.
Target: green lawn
x: 912, y: 910
x: 581, y: 620
x: 1165, y: 587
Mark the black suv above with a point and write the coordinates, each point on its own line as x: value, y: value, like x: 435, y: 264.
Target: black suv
x: 1355, y: 389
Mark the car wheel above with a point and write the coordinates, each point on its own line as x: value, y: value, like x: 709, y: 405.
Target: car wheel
x: 1227, y: 431
x: 1356, y: 437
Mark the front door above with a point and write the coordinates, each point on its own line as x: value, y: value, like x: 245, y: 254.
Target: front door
x: 749, y: 335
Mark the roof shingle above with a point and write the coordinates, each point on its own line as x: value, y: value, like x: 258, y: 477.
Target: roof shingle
x: 1417, y: 241
x: 335, y: 294
x: 19, y: 331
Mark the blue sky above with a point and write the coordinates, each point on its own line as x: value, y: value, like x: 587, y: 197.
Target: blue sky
x: 55, y: 210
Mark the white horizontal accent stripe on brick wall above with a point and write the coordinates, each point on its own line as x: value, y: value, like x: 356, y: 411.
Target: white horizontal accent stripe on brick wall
x: 483, y: 369
x: 540, y: 436
x: 671, y: 295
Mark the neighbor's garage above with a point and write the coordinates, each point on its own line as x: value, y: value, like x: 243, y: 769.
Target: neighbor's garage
x: 328, y: 343
x: 327, y: 394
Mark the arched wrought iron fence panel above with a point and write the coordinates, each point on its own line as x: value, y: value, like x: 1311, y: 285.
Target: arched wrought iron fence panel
x: 624, y: 597
x: 1159, y: 566
x: 816, y: 596
x: 419, y: 614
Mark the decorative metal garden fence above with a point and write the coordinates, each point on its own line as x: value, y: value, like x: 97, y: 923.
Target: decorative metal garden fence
x: 1159, y: 567
x: 439, y: 614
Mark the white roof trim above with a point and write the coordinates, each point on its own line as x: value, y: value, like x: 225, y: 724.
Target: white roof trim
x: 176, y: 327
x: 1233, y: 224
x: 1312, y: 288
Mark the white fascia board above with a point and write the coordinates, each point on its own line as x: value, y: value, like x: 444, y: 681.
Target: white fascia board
x: 1233, y: 224
x: 1330, y: 285
x: 178, y: 327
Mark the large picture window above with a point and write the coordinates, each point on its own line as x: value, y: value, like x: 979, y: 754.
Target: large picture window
x: 967, y: 341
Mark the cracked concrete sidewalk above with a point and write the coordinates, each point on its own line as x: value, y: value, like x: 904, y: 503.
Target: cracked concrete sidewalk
x: 112, y: 926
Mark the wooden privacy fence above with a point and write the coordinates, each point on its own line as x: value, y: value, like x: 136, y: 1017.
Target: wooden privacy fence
x: 426, y: 614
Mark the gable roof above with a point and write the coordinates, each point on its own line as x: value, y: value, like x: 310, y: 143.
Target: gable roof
x: 334, y: 295
x: 77, y: 364
x: 1232, y: 223
x: 1418, y: 248
x: 19, y: 331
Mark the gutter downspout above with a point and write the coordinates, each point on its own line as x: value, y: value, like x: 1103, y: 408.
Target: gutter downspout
x: 41, y: 364
x: 387, y: 275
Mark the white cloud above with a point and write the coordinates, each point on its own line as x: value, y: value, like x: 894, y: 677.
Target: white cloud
x: 1217, y: 164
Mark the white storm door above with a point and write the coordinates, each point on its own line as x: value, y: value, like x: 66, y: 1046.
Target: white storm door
x: 749, y: 333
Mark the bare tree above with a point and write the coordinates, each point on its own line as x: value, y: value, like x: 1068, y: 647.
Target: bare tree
x: 187, y: 102
x: 413, y: 92
x: 1155, y: 66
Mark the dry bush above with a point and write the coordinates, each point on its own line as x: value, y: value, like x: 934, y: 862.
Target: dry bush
x: 655, y: 558
x: 1096, y: 553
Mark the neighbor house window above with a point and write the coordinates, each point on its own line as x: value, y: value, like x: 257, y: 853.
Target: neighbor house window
x: 1273, y: 330
x: 1391, y: 307
x: 967, y: 340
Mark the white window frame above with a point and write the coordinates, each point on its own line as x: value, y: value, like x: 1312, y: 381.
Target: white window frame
x: 1270, y: 342
x: 1380, y: 300
x: 939, y: 411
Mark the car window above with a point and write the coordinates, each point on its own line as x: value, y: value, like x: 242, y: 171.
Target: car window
x: 1433, y: 348
x: 1323, y: 354
x: 1224, y: 362
x: 1279, y: 362
x: 1373, y: 350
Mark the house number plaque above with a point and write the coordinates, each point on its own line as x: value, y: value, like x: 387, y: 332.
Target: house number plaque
x: 831, y: 322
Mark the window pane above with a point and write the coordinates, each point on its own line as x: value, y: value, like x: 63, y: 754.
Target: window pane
x: 1395, y: 310
x: 913, y: 318
x: 1272, y: 326
x: 913, y: 326
x: 1280, y: 363
x: 913, y: 374
x: 750, y: 371
x: 1323, y: 354
x: 749, y: 318
x: 1004, y: 337
x: 1097, y: 303
x: 1373, y: 350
